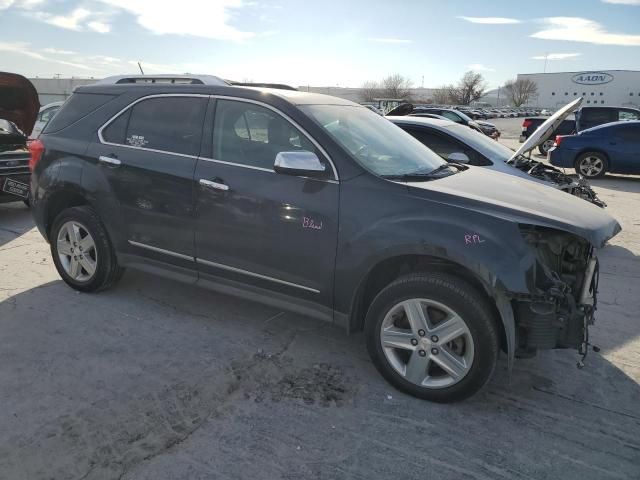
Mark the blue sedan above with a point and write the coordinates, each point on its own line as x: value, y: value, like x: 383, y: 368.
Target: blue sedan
x: 612, y: 147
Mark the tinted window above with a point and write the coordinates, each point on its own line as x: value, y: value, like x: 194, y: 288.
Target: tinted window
x: 451, y: 116
x: 252, y: 135
x: 170, y: 124
x: 117, y: 130
x: 79, y: 105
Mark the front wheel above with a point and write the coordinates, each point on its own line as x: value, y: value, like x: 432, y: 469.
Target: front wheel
x: 82, y: 251
x: 591, y: 165
x: 433, y: 336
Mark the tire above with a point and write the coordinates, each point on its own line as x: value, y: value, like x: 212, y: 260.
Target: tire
x: 545, y: 147
x: 450, y: 300
x: 591, y: 164
x: 78, y: 233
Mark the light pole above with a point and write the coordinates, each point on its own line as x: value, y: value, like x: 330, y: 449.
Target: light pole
x: 546, y: 56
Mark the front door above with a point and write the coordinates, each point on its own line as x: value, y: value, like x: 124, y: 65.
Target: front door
x: 272, y: 231
x: 148, y: 155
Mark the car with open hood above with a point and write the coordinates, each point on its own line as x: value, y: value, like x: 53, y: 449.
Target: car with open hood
x: 18, y: 111
x: 317, y: 205
x: 458, y: 144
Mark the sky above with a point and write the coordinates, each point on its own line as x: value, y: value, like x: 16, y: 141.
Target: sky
x: 318, y: 43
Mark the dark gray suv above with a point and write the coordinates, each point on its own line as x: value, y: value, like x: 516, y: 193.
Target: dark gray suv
x: 318, y: 205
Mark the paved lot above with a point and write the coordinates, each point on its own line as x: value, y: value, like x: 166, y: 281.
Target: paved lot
x: 160, y: 380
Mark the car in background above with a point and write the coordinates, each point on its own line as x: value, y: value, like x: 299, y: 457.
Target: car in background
x: 612, y: 147
x: 455, y: 143
x: 18, y: 111
x: 460, y: 117
x: 585, y: 117
x: 45, y: 114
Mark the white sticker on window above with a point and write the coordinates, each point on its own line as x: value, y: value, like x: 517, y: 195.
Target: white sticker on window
x: 137, y: 141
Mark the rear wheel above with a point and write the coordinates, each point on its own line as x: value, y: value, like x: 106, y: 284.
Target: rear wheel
x: 433, y: 336
x: 82, y: 251
x: 591, y: 165
x: 545, y: 147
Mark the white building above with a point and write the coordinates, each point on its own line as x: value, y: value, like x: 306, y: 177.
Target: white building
x: 601, y: 87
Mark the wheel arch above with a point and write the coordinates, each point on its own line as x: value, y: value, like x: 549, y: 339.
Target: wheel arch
x: 388, y: 269
x: 59, y: 201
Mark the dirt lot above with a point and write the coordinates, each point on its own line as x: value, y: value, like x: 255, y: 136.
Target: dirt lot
x: 160, y: 380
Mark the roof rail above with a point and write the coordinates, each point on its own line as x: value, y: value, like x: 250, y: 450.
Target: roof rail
x: 186, y: 79
x: 280, y: 86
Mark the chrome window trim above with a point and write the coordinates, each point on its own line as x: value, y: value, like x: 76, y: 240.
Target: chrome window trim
x: 162, y: 250
x: 256, y: 275
x: 223, y: 97
x: 261, y: 169
x: 290, y: 120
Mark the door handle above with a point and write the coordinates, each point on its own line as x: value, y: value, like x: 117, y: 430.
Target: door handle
x: 214, y: 185
x: 109, y: 160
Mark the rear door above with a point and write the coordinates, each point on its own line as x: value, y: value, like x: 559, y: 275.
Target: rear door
x: 148, y: 154
x: 624, y: 153
x: 271, y: 231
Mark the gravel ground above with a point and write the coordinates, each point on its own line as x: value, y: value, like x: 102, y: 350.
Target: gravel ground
x: 159, y: 380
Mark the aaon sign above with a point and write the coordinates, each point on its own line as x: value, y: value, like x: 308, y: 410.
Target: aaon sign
x: 592, y: 78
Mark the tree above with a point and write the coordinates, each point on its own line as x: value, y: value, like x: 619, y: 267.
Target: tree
x: 520, y: 91
x: 370, y: 91
x: 442, y: 95
x: 469, y: 89
x: 396, y: 86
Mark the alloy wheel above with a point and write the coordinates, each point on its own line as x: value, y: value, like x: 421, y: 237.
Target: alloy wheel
x: 427, y: 343
x: 591, y: 166
x: 77, y: 251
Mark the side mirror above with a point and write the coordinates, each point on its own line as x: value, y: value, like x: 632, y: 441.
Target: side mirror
x: 302, y: 163
x: 458, y: 157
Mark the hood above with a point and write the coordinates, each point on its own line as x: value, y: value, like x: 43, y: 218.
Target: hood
x: 544, y: 131
x: 401, y: 110
x: 522, y: 201
x: 485, y: 124
x: 18, y: 101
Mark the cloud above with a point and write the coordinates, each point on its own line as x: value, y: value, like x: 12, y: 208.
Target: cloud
x: 623, y: 2
x: 480, y: 67
x: 24, y: 49
x: 55, y: 51
x: 576, y: 29
x: 79, y: 20
x: 100, y: 27
x: 491, y: 20
x: 389, y: 40
x: 207, y: 19
x: 556, y: 56
x: 24, y: 4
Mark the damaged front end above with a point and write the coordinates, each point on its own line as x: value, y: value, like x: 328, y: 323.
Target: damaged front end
x: 542, y: 171
x: 563, y: 299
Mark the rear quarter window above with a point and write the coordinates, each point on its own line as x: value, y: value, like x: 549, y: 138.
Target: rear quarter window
x: 79, y: 105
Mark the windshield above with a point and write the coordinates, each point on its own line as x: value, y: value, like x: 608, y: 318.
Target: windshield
x: 373, y: 141
x: 478, y: 141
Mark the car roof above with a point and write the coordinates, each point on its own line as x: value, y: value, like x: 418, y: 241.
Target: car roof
x: 294, y: 97
x: 604, y: 126
x: 431, y: 122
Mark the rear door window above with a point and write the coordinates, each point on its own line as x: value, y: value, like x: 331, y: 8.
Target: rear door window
x: 168, y: 124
